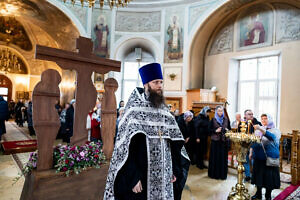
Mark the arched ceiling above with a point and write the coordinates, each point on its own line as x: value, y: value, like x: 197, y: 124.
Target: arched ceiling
x: 43, y: 14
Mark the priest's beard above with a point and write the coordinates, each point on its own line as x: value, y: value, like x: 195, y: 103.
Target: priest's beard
x: 156, y: 99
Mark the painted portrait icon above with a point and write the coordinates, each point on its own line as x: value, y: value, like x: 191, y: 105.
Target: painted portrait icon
x: 255, y: 29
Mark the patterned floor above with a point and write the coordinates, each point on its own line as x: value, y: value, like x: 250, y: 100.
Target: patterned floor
x: 198, y: 187
x: 295, y: 195
x: 15, y: 133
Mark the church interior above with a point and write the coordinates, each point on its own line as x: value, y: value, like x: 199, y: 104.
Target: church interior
x: 239, y: 54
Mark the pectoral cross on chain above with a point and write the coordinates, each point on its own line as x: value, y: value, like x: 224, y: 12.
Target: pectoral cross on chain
x: 160, y: 134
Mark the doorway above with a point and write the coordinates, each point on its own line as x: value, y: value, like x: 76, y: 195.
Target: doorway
x: 5, y: 88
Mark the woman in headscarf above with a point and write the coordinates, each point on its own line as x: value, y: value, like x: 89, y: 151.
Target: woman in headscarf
x: 202, y: 131
x: 219, y: 145
x: 263, y: 175
x: 186, y: 126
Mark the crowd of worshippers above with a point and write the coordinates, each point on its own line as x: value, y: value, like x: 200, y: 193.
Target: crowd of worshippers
x: 20, y: 111
x: 192, y: 132
x: 93, y: 121
x: 197, y: 129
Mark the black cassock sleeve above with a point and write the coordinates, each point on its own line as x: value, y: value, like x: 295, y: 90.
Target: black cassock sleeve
x: 176, y: 158
x: 180, y: 167
x: 133, y: 170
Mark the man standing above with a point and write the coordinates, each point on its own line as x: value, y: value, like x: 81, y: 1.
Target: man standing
x: 250, y: 121
x: 147, y: 159
x: 69, y: 121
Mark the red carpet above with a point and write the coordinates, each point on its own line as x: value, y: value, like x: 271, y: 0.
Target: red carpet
x: 17, y: 139
x: 19, y: 146
x: 291, y: 192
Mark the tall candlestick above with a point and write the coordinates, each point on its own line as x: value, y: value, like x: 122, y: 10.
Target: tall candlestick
x: 249, y: 122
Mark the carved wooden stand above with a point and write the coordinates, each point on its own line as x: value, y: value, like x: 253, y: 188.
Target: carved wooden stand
x: 49, y: 185
x: 44, y: 183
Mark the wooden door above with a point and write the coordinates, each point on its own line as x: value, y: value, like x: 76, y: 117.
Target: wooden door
x: 5, y: 87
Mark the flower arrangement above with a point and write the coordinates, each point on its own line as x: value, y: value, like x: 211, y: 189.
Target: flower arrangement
x: 69, y: 159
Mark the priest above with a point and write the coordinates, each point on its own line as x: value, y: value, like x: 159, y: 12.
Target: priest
x: 149, y: 160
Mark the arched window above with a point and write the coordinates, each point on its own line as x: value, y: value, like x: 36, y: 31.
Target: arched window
x: 130, y: 72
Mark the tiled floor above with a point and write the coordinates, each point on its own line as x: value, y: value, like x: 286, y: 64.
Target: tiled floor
x: 8, y: 171
x: 198, y: 187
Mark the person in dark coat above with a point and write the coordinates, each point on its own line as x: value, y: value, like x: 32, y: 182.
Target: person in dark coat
x: 58, y: 107
x: 3, y: 115
x: 202, y: 131
x: 121, y: 105
x: 29, y: 119
x: 251, y: 121
x: 263, y: 175
x: 186, y: 126
x: 218, y: 158
x: 18, y: 111
x: 11, y: 109
x: 69, y: 122
x: 62, y: 129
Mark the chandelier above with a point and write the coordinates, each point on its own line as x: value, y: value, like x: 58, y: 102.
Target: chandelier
x: 9, y: 61
x: 111, y: 3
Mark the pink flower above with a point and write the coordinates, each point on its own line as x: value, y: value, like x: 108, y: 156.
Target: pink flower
x: 65, y: 169
x: 82, y: 154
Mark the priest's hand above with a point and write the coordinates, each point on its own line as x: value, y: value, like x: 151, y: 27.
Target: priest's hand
x: 137, y: 188
x: 186, y: 140
x: 173, y: 179
x: 219, y: 130
x: 198, y: 140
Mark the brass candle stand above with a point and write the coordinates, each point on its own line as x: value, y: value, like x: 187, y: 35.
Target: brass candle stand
x: 241, y: 142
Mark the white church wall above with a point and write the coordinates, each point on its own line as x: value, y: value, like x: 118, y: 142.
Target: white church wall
x: 150, y: 24
x: 220, y: 69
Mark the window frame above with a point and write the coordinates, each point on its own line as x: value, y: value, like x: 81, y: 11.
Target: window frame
x: 257, y: 97
x: 146, y: 58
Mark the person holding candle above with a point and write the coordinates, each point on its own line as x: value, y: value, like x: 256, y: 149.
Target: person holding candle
x: 264, y: 175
